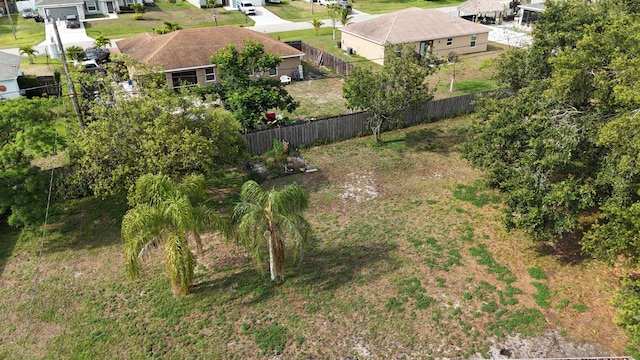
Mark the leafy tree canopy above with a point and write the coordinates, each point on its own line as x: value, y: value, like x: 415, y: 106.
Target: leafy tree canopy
x: 386, y: 93
x: 27, y: 132
x: 246, y: 89
x: 563, y: 148
x: 157, y: 132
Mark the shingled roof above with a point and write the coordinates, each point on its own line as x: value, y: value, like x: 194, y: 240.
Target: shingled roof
x: 191, y: 48
x: 9, y: 66
x: 412, y: 25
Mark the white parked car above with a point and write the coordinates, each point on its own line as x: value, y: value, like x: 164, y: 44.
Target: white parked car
x: 246, y: 7
x: 327, y: 2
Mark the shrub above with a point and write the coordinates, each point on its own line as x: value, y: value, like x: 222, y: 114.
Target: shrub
x: 138, y: 16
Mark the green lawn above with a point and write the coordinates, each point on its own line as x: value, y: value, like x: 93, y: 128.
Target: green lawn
x: 295, y: 10
x: 408, y: 252
x: 28, y: 32
x: 182, y: 13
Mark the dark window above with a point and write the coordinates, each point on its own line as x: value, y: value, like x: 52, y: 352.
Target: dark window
x: 184, y: 78
x: 210, y: 74
x: 449, y: 41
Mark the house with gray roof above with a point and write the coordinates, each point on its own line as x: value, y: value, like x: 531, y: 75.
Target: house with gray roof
x: 59, y: 9
x: 9, y: 72
x: 432, y: 31
x: 185, y: 55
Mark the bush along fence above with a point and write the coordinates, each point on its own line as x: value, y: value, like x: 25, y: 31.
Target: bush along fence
x: 349, y: 126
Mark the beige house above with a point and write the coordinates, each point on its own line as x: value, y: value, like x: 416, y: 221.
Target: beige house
x: 185, y: 55
x: 431, y: 30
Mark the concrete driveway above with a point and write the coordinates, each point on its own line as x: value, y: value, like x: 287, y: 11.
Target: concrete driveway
x: 69, y: 37
x: 264, y: 17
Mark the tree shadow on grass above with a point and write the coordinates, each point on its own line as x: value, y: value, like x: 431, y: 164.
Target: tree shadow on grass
x: 566, y: 250
x: 85, y: 224
x: 8, y: 239
x: 329, y: 268
x: 434, y: 141
x: 326, y: 269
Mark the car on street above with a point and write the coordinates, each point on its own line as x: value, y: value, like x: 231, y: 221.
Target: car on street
x: 100, y: 55
x: 273, y: 1
x: 246, y: 7
x: 328, y: 2
x: 72, y: 21
x: 345, y: 4
x: 28, y: 13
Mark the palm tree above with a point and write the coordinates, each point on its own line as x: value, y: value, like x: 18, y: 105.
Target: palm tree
x: 76, y: 52
x: 101, y: 41
x: 334, y: 12
x: 344, y: 16
x: 169, y: 213
x: 272, y: 219
x: 29, y: 51
x: 316, y: 25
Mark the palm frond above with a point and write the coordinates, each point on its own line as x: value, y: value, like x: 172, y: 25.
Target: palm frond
x: 290, y: 199
x: 141, y: 229
x: 150, y: 189
x: 251, y: 192
x: 193, y: 186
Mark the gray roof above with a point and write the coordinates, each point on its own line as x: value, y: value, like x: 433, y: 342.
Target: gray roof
x: 482, y: 6
x: 9, y: 66
x: 412, y: 25
x: 539, y: 7
x: 40, y: 3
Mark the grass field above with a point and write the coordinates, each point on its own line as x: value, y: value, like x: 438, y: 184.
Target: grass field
x: 408, y: 257
x: 28, y: 32
x: 182, y: 13
x: 295, y: 10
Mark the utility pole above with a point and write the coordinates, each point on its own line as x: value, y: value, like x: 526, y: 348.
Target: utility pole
x: 13, y: 28
x: 72, y: 90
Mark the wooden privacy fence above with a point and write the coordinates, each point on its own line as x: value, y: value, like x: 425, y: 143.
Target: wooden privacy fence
x: 321, y: 58
x: 352, y: 125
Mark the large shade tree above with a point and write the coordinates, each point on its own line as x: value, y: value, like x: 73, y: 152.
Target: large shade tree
x: 158, y: 131
x: 266, y: 222
x: 246, y: 88
x: 172, y: 214
x: 564, y: 147
x: 387, y: 93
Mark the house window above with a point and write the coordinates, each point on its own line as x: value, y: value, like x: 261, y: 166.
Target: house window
x: 129, y: 2
x: 425, y: 47
x: 210, y: 74
x: 184, y: 78
x: 449, y: 41
x: 90, y: 5
x: 273, y: 72
x: 473, y: 40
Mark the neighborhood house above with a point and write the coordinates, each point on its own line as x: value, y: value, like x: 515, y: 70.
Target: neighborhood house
x: 432, y: 31
x: 9, y: 72
x: 60, y: 9
x: 185, y: 55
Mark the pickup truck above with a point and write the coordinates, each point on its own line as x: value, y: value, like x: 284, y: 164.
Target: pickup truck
x: 246, y: 7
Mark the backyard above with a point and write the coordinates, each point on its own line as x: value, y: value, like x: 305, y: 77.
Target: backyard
x: 409, y: 259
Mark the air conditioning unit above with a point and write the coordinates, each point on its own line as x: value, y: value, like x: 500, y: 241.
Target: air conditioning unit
x: 349, y: 51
